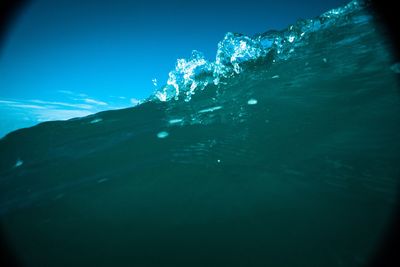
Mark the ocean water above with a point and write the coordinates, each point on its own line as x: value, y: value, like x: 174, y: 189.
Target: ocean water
x: 281, y: 152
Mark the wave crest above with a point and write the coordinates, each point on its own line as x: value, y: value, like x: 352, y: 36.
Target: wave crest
x: 236, y: 50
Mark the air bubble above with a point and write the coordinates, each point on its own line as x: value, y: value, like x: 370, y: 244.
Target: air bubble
x: 252, y: 101
x: 162, y: 134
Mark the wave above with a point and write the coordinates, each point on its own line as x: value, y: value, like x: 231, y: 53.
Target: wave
x: 236, y: 51
x: 284, y: 131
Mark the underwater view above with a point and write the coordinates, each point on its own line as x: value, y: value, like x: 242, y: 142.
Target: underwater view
x: 283, y: 151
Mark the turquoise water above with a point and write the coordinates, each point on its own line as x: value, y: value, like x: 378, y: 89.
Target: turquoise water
x: 281, y: 152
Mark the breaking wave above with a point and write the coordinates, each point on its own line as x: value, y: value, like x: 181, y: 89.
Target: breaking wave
x: 236, y: 51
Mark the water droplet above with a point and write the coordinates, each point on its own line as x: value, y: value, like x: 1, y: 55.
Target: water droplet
x: 218, y: 160
x: 162, y: 134
x: 102, y: 180
x: 96, y: 120
x: 324, y: 60
x: 18, y: 163
x: 174, y: 121
x: 210, y: 109
x: 252, y: 101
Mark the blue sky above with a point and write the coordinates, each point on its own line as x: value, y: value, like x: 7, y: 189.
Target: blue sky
x: 63, y: 59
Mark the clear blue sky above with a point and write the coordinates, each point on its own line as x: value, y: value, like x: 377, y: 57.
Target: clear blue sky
x: 63, y: 59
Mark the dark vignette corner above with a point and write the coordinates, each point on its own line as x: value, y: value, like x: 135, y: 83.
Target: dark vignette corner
x: 9, y: 11
x: 387, y: 14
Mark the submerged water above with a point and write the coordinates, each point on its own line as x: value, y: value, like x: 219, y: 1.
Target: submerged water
x: 282, y: 152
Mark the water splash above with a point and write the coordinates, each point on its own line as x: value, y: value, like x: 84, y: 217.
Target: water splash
x: 236, y: 50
